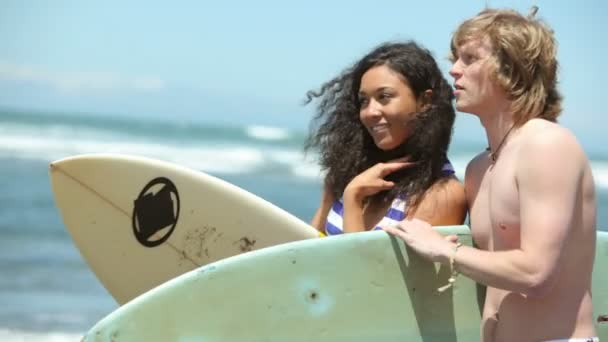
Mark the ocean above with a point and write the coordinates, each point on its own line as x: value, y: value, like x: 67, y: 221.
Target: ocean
x: 47, y: 292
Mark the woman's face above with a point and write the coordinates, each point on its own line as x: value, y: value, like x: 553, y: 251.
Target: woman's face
x: 387, y: 106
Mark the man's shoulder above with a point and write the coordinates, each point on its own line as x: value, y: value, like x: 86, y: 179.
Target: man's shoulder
x: 548, y: 128
x: 480, y: 162
x: 546, y: 135
x: 543, y: 141
x: 477, y: 167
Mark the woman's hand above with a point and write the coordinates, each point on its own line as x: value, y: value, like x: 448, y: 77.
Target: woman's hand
x: 422, y: 238
x: 371, y: 181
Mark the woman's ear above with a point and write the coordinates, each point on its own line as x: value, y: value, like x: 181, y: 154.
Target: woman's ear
x: 425, y: 100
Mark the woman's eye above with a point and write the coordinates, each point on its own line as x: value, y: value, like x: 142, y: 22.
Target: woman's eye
x: 363, y: 102
x: 385, y: 97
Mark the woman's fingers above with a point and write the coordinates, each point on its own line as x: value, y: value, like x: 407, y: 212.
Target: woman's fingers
x: 372, y: 180
x: 390, y: 167
x: 400, y: 160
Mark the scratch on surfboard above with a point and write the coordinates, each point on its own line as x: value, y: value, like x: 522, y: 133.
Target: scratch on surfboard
x: 245, y: 244
x: 196, y: 241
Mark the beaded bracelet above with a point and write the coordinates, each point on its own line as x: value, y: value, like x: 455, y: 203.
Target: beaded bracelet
x: 455, y: 273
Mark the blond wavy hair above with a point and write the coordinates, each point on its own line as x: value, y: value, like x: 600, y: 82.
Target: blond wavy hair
x: 524, y: 56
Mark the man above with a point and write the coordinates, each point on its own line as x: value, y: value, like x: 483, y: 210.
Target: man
x: 531, y: 197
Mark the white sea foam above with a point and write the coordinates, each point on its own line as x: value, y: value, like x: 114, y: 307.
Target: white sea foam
x: 267, y: 132
x: 7, y: 335
x: 223, y: 159
x: 600, y: 174
x: 241, y: 157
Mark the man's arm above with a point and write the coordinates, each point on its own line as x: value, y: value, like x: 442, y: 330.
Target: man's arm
x: 548, y: 174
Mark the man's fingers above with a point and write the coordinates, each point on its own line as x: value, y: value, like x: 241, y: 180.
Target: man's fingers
x: 394, y: 230
x: 391, y: 229
x: 452, y: 238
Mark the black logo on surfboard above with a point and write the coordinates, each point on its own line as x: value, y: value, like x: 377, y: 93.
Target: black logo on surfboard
x: 156, y: 212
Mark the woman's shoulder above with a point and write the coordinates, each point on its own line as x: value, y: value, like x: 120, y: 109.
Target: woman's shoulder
x: 444, y: 203
x: 451, y: 188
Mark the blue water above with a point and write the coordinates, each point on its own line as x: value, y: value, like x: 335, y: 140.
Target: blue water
x: 47, y: 291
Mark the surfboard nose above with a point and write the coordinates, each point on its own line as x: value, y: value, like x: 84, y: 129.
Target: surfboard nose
x: 63, y: 162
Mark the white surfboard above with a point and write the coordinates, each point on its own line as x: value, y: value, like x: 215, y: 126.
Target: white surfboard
x: 353, y: 287
x: 139, y: 222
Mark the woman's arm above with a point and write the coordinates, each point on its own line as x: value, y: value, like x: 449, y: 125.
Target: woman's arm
x: 367, y: 183
x: 320, y: 217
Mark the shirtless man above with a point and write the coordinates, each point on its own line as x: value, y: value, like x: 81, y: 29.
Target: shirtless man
x: 531, y: 194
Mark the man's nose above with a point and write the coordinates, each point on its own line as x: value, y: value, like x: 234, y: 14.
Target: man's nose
x: 456, y: 69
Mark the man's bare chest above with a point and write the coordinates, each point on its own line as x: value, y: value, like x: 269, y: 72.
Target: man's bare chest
x: 494, y: 213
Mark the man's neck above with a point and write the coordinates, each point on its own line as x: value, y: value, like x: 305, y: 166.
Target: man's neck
x: 497, y: 123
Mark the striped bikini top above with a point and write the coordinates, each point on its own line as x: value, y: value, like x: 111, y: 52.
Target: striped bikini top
x: 394, y: 214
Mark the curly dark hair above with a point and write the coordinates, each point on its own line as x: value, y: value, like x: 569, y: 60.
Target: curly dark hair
x: 346, y: 148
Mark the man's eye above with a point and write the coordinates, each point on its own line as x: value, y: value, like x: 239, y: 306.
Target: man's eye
x: 468, y: 58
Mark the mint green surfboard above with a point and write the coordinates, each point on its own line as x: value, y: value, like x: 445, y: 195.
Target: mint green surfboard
x: 356, y: 287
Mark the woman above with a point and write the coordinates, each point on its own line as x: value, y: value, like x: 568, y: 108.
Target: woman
x: 383, y: 130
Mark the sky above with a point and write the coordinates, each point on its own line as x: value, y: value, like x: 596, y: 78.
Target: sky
x: 251, y: 62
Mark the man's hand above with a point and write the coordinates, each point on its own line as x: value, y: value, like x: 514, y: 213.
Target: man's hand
x: 422, y: 238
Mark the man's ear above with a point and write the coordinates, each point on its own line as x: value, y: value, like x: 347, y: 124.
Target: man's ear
x: 425, y: 100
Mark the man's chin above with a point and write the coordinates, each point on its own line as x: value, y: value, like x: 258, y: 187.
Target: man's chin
x: 460, y: 106
x: 463, y: 108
